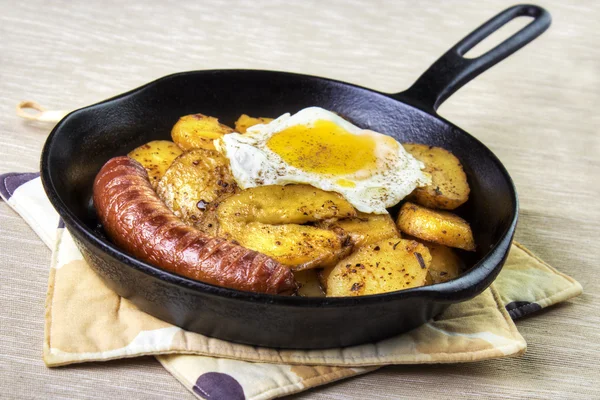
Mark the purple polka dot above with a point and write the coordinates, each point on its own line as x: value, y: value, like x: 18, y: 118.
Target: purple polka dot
x: 218, y: 386
x: 10, y: 182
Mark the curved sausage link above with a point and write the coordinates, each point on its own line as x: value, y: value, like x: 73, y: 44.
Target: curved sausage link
x: 137, y: 221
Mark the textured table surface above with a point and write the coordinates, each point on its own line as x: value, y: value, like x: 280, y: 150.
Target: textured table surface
x: 536, y: 110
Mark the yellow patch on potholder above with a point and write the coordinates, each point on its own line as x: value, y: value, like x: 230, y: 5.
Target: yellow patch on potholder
x: 85, y: 320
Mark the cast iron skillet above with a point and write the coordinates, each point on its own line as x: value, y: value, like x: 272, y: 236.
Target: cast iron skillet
x: 84, y: 140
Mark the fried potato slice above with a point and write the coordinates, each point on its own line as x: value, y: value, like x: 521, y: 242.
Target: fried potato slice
x: 156, y: 156
x: 197, y: 131
x: 308, y: 283
x: 365, y: 228
x: 290, y: 204
x: 195, y: 180
x: 245, y: 121
x: 445, y: 263
x: 268, y: 219
x: 298, y: 246
x: 381, y: 267
x: 449, y: 188
x: 440, y: 227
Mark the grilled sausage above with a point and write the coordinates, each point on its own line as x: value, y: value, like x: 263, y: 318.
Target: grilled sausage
x: 137, y: 221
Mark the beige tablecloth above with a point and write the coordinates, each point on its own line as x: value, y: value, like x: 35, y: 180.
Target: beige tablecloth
x: 536, y: 110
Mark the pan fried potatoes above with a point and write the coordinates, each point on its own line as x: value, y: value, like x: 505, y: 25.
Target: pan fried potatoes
x: 298, y: 246
x: 449, y: 188
x: 197, y: 131
x: 290, y: 204
x: 156, y: 157
x: 244, y: 122
x: 308, y: 283
x: 195, y: 180
x: 439, y: 227
x: 445, y: 263
x: 384, y: 266
x: 332, y: 249
x: 365, y: 228
x: 269, y: 219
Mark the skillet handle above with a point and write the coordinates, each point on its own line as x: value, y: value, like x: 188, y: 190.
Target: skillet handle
x: 451, y: 71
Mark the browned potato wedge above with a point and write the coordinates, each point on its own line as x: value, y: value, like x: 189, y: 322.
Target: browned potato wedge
x: 245, y: 121
x: 384, y: 266
x: 195, y: 180
x: 449, y: 188
x: 445, y: 263
x: 267, y: 219
x: 156, y: 156
x: 290, y: 204
x: 197, y: 131
x: 308, y: 283
x: 298, y: 246
x: 440, y: 227
x: 365, y: 228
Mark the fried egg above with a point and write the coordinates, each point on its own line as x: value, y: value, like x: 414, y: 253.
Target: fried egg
x: 370, y: 170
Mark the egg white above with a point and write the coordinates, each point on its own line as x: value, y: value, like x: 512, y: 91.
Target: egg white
x: 253, y: 164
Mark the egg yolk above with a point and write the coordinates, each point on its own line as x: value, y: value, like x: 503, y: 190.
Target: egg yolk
x: 324, y: 148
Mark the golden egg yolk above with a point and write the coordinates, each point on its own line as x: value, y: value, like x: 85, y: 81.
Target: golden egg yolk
x: 324, y: 148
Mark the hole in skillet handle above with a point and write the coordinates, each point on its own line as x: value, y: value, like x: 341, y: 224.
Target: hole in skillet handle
x: 497, y: 37
x: 452, y: 70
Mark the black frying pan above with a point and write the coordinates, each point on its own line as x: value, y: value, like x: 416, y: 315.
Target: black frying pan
x: 84, y: 140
